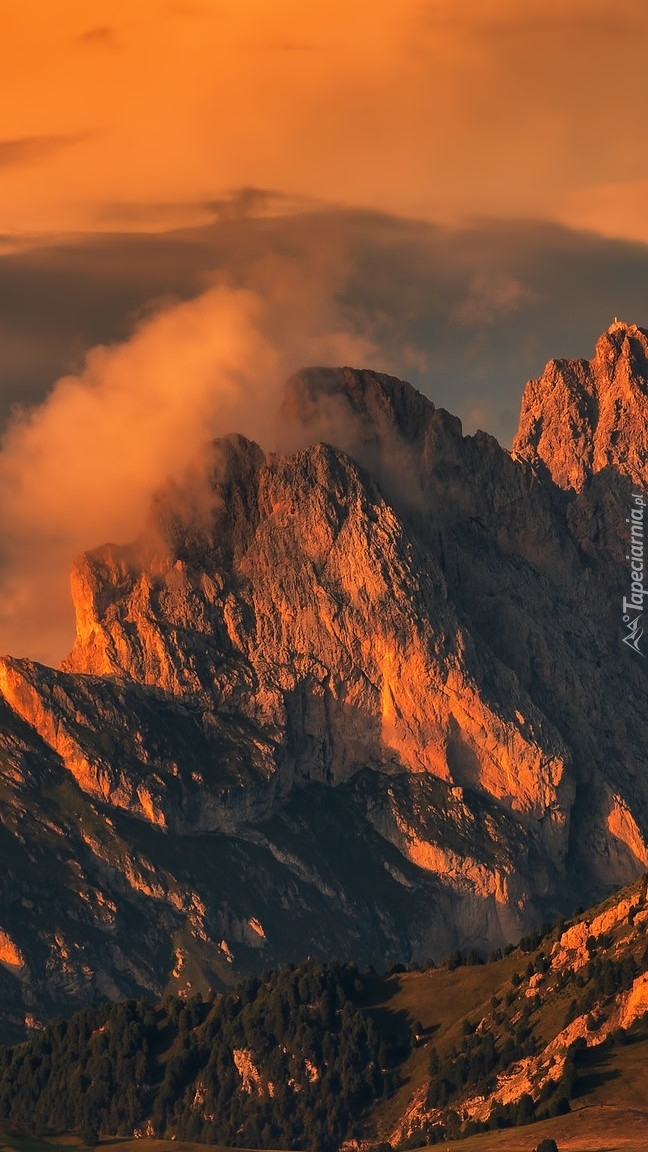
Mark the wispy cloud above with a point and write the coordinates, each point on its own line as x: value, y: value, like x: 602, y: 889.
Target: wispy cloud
x: 442, y: 111
x: 101, y: 37
x: 490, y: 298
x: 31, y: 149
x: 502, y: 17
x: 84, y: 465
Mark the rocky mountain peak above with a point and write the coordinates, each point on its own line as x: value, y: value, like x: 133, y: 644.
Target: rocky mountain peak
x: 350, y: 406
x: 415, y: 451
x: 582, y: 416
x: 626, y: 341
x: 364, y: 695
x: 380, y: 421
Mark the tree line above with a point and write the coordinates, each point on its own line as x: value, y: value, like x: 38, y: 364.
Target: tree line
x: 289, y: 1060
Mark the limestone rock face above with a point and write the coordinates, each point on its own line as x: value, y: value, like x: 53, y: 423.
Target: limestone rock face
x: 364, y: 697
x: 332, y: 623
x: 583, y: 416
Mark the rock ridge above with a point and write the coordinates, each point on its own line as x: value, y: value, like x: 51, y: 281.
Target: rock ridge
x: 582, y: 416
x: 365, y: 695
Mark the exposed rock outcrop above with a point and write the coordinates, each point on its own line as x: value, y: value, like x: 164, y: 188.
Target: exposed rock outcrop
x: 369, y: 694
x: 582, y: 416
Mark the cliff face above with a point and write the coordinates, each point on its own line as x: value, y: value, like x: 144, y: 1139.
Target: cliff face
x: 366, y: 697
x: 583, y: 416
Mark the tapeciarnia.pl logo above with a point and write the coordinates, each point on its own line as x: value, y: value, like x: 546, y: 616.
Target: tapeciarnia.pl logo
x: 634, y: 605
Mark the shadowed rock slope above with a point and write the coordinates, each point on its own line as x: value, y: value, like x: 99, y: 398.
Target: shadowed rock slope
x: 365, y: 697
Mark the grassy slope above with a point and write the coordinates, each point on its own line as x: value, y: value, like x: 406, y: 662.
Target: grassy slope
x: 440, y: 1000
x: 610, y: 1110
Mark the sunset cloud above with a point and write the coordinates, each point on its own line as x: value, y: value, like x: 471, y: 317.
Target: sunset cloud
x: 465, y: 314
x: 84, y: 465
x: 613, y: 209
x: 102, y: 37
x: 490, y: 298
x: 436, y: 110
x: 31, y: 149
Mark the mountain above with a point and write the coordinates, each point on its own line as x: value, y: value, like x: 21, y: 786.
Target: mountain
x: 369, y: 696
x: 324, y: 1055
x: 582, y: 417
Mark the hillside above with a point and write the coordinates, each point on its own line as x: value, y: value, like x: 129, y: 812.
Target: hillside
x: 548, y: 1039
x: 366, y: 697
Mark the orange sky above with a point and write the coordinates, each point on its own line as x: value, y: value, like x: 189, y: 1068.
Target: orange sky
x: 115, y: 114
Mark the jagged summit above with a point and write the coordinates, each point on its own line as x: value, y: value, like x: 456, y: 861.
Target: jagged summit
x: 350, y: 407
x: 363, y: 696
x: 583, y: 416
x: 382, y: 422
